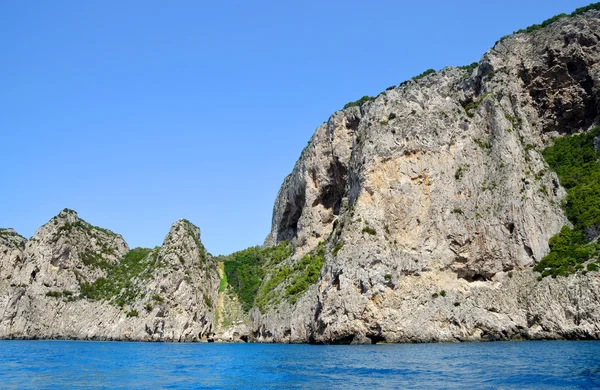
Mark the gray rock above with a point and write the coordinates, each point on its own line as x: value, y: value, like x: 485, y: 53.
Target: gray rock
x: 42, y: 281
x: 439, y: 184
x: 432, y: 201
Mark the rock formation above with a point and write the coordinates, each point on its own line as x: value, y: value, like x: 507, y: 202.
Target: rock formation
x: 414, y: 216
x: 75, y: 280
x: 439, y: 185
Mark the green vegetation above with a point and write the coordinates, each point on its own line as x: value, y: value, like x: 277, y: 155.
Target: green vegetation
x: 83, y: 226
x: 472, y: 106
x: 12, y: 239
x: 66, y: 294
x: 555, y: 18
x: 359, y: 102
x: 291, y: 281
x: 369, y: 230
x: 461, y: 171
x: 122, y: 284
x: 89, y: 257
x: 548, y: 22
x: 567, y: 249
x: 580, y: 10
x: 133, y: 313
x: 483, y: 144
x: 545, y: 23
x: 54, y: 294
x: 8, y: 233
x: 307, y: 272
x: 337, y: 248
x: 575, y: 161
x: 514, y: 121
x: 246, y: 269
x: 469, y: 68
x: 426, y: 73
x: 443, y: 293
x: 223, y: 282
x: 457, y: 210
x: 418, y: 77
x: 189, y: 228
x: 96, y: 259
x: 157, y: 298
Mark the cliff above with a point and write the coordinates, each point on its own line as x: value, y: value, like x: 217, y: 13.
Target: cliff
x: 432, y: 202
x: 426, y: 213
x: 76, y: 280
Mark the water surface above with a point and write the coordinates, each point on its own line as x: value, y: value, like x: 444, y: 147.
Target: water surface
x: 528, y: 364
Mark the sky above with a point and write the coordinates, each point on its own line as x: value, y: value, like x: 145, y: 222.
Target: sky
x: 138, y: 113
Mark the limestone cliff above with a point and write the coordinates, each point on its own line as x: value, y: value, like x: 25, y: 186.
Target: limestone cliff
x: 417, y: 215
x: 433, y: 202
x: 76, y: 280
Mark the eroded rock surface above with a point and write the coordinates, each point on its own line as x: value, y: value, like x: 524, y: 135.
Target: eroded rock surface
x: 423, y: 212
x: 55, y: 285
x: 439, y: 184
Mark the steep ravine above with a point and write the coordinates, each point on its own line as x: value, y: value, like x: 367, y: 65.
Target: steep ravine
x: 417, y: 215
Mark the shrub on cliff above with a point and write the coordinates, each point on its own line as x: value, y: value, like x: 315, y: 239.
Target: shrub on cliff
x: 309, y: 268
x: 425, y: 73
x: 118, y: 286
x: 576, y: 162
x: 555, y: 18
x: 359, y: 102
x: 245, y: 269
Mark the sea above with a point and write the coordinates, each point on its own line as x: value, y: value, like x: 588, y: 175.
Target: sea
x: 490, y: 365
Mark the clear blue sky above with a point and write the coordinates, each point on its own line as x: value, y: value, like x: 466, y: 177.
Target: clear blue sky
x: 138, y: 113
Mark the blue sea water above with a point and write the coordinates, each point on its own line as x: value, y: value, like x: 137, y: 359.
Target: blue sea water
x: 72, y: 364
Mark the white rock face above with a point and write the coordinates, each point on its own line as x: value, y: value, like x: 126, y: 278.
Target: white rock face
x: 12, y: 246
x: 188, y: 284
x: 439, y: 184
x: 41, y: 290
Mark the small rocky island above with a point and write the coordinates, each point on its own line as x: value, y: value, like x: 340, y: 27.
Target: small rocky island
x: 459, y: 205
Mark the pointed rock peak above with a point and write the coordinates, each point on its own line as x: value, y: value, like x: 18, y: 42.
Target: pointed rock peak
x: 65, y: 220
x: 68, y: 215
x: 68, y: 223
x: 181, y: 230
x: 183, y: 223
x: 11, y: 236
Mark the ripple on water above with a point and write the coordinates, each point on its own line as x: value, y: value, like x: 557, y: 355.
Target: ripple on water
x: 532, y: 364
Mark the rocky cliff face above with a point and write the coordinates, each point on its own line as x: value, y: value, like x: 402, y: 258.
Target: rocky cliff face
x: 76, y: 280
x: 415, y: 216
x: 439, y: 185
